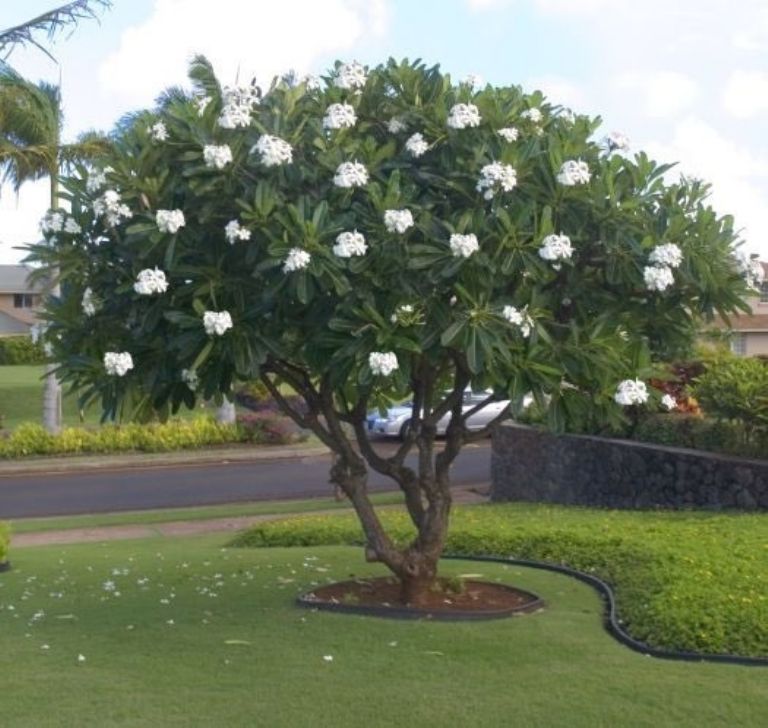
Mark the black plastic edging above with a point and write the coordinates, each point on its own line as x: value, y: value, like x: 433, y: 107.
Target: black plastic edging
x: 610, y: 622
x: 5, y: 565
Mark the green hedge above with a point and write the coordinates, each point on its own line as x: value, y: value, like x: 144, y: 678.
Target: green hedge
x: 32, y: 439
x: 5, y: 539
x: 684, y: 581
x: 20, y: 350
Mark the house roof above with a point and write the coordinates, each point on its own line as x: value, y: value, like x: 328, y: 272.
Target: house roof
x: 10, y: 325
x: 13, y: 279
x: 755, y: 322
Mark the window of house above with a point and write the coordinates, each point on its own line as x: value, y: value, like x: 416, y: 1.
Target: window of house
x: 764, y: 292
x: 739, y: 344
x: 23, y: 300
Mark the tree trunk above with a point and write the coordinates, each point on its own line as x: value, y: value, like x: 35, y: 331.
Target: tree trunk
x: 51, y: 401
x: 225, y: 414
x: 418, y: 576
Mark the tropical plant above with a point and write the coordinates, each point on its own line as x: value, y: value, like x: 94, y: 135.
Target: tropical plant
x: 373, y: 236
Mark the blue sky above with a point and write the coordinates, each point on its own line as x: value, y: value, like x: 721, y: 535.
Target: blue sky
x: 686, y: 80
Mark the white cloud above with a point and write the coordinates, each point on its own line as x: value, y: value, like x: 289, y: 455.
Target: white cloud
x: 746, y: 93
x: 242, y: 39
x: 663, y: 94
x: 20, y: 216
x: 559, y: 90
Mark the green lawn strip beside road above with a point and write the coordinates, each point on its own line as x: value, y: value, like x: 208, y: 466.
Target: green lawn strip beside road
x: 168, y: 515
x: 184, y: 632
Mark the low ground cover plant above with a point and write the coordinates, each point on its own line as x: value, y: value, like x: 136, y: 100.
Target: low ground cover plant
x: 683, y: 581
x: 5, y: 539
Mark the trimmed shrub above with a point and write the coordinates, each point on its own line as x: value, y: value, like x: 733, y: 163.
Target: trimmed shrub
x: 683, y: 581
x: 20, y: 350
x: 5, y: 540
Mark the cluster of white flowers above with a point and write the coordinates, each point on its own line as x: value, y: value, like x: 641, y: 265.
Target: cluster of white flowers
x: 350, y: 76
x: 556, y: 248
x: 462, y: 116
x: 668, y: 254
x: 616, y: 142
x: 296, y: 260
x: 383, y: 363
x: 274, y: 151
x: 217, y: 323
x: 158, y: 132
x: 56, y: 222
x: 201, y: 102
x: 473, y: 80
x: 150, y: 281
x: 339, y: 116
x: 234, y: 231
x: 658, y: 277
x: 395, y: 125
x: 462, y: 246
x: 567, y: 116
x: 533, y: 115
x: 509, y: 134
x: 217, y: 156
x: 750, y: 268
x: 496, y: 177
x: 668, y: 402
x: 350, y: 174
x: 574, y: 172
x: 88, y: 303
x: 111, y: 208
x: 398, y: 221
x: 170, y: 221
x: 190, y: 378
x: 97, y: 178
x: 312, y: 83
x: 118, y: 363
x: 402, y: 314
x: 349, y: 244
x: 416, y: 145
x: 238, y: 104
x: 631, y: 391
x: 520, y: 318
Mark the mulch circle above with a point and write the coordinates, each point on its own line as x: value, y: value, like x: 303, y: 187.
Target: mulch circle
x: 379, y: 597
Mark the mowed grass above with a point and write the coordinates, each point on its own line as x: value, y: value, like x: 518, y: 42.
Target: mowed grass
x: 185, y: 633
x: 21, y: 400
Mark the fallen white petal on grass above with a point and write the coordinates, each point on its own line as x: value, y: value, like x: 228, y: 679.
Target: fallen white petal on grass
x: 328, y: 658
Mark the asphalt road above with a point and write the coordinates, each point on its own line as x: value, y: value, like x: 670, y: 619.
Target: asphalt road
x: 139, y: 488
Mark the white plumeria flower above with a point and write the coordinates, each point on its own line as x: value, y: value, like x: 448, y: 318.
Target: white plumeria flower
x: 296, y: 260
x: 96, y: 180
x: 398, y: 221
x: 274, y: 151
x: 395, y: 125
x: 668, y: 402
x: 328, y: 658
x: 88, y: 303
x: 150, y: 281
x: 509, y: 134
x: 238, y: 102
x: 556, y: 248
x: 496, y: 177
x: 158, y: 132
x: 631, y: 391
x: 616, y: 142
x: 416, y: 145
x: 52, y: 222
x: 81, y: 658
x: 190, y: 378
x: 170, y: 221
x: 217, y: 323
x: 462, y: 246
x: 339, y: 116
x: 658, y: 277
x: 382, y: 363
x: 217, y: 156
x: 313, y: 83
x: 520, y: 318
x: 234, y: 231
x: 350, y: 174
x: 668, y: 254
x: 568, y: 116
x: 574, y: 172
x: 462, y: 116
x: 201, y: 103
x: 72, y: 227
x: 108, y: 586
x: 118, y: 363
x: 473, y: 80
x: 111, y: 208
x: 750, y: 268
x: 350, y: 76
x: 349, y: 244
x: 533, y: 115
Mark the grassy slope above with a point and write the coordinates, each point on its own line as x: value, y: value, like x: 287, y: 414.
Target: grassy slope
x: 556, y: 668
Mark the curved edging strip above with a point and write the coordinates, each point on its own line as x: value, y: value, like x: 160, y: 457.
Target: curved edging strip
x: 610, y: 621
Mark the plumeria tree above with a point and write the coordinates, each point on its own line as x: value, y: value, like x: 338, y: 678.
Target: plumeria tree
x: 372, y: 236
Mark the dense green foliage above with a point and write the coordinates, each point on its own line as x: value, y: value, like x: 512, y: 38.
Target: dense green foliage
x: 691, y: 581
x: 247, y: 657
x: 20, y: 350
x: 5, y: 539
x: 33, y: 439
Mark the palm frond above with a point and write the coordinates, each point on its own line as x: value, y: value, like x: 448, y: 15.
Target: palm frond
x: 172, y: 96
x: 203, y: 78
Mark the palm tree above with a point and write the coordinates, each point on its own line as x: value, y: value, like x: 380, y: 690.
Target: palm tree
x: 31, y: 148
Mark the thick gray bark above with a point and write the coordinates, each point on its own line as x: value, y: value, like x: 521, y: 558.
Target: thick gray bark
x: 225, y: 414
x: 51, y: 401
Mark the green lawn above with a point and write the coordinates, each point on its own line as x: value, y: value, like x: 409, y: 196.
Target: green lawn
x: 196, y: 635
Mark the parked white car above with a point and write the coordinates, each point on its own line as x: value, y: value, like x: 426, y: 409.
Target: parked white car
x: 397, y: 419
